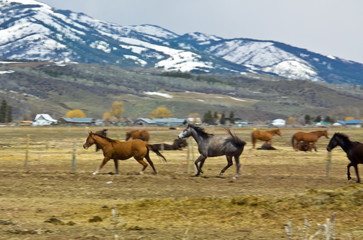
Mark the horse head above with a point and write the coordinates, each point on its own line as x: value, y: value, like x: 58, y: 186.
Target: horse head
x: 186, y: 132
x: 278, y: 132
x: 89, y: 141
x: 334, y: 141
x: 325, y: 134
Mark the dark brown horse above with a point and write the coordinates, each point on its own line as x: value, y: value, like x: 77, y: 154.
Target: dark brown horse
x: 311, y: 138
x: 213, y: 146
x: 264, y: 136
x: 138, y: 134
x: 102, y: 133
x: 354, y: 151
x: 178, y: 144
x: 303, y: 146
x: 119, y: 150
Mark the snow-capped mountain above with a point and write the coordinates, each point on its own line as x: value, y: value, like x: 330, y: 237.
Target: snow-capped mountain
x: 35, y: 31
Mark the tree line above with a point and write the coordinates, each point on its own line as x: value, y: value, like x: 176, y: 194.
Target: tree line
x: 6, y: 114
x: 216, y: 118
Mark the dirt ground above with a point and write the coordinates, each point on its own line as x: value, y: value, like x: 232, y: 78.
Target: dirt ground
x: 47, y: 200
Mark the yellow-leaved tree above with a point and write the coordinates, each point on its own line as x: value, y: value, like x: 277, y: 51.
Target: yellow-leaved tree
x: 76, y: 113
x: 107, y: 117
x: 115, y: 112
x: 162, y: 112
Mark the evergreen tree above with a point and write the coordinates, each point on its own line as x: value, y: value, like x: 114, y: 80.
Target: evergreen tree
x: 9, y: 115
x: 231, y: 118
x: 223, y: 119
x: 208, y: 118
x: 328, y: 119
x: 307, y: 119
x: 318, y: 119
x: 215, y: 116
x: 3, y: 109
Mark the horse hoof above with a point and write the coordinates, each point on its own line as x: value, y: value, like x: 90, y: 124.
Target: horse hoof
x: 95, y: 173
x: 141, y: 173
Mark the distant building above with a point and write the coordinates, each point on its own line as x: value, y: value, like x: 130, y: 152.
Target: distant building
x: 353, y: 123
x: 160, y: 121
x: 77, y: 121
x: 277, y: 123
x: 43, y: 119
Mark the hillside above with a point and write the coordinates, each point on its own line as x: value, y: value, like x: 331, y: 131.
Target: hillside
x: 33, y: 88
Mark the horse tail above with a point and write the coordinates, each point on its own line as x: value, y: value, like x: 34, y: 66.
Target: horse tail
x: 155, y: 150
x: 239, y: 142
x: 293, y: 141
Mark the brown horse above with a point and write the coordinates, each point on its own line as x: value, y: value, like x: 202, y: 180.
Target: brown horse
x: 119, y: 150
x: 138, y: 134
x: 309, y: 138
x: 264, y: 136
x: 303, y: 146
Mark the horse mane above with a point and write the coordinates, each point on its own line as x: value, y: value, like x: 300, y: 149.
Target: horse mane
x: 343, y: 136
x: 106, y: 138
x: 201, y: 131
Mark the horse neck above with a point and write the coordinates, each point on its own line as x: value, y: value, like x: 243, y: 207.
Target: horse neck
x: 320, y: 133
x: 198, y: 138
x: 345, y: 144
x: 273, y: 132
x: 100, y: 141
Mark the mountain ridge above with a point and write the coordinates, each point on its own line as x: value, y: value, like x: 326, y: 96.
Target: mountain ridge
x: 32, y: 30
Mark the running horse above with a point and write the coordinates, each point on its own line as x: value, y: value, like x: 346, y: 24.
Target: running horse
x: 213, y: 146
x: 264, y: 136
x: 310, y: 138
x: 121, y: 150
x: 138, y: 134
x: 354, y: 151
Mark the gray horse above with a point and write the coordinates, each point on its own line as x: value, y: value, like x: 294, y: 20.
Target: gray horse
x: 213, y: 146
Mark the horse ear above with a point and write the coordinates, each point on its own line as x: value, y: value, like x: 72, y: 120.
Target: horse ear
x: 90, y: 132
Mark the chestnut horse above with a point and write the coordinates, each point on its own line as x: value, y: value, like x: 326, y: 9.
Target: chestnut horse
x: 354, y: 151
x: 309, y: 138
x: 121, y: 150
x: 264, y: 136
x: 138, y: 134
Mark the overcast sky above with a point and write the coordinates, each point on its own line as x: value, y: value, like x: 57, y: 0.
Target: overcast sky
x: 329, y: 27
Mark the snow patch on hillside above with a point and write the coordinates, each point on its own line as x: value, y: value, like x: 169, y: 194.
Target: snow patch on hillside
x: 165, y: 95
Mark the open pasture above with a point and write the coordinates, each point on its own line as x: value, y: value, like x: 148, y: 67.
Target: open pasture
x: 50, y: 201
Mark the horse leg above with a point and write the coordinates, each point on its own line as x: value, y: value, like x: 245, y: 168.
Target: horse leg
x: 201, y: 159
x: 116, y: 165
x: 148, y: 159
x: 238, y: 166
x: 254, y: 140
x: 105, y: 160
x: 229, y: 163
x: 348, y: 171
x: 143, y: 163
x: 314, y: 147
x: 356, y: 172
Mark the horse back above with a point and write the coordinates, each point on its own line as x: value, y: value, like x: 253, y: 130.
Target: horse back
x: 261, y: 135
x: 126, y: 149
x: 306, y: 137
x: 355, y: 155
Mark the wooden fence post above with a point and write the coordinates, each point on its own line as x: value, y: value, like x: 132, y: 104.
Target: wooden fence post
x: 26, y: 167
x: 74, y: 156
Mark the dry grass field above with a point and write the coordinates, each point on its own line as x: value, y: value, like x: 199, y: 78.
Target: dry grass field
x: 47, y: 200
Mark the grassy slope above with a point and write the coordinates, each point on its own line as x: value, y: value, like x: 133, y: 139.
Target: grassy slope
x: 56, y: 90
